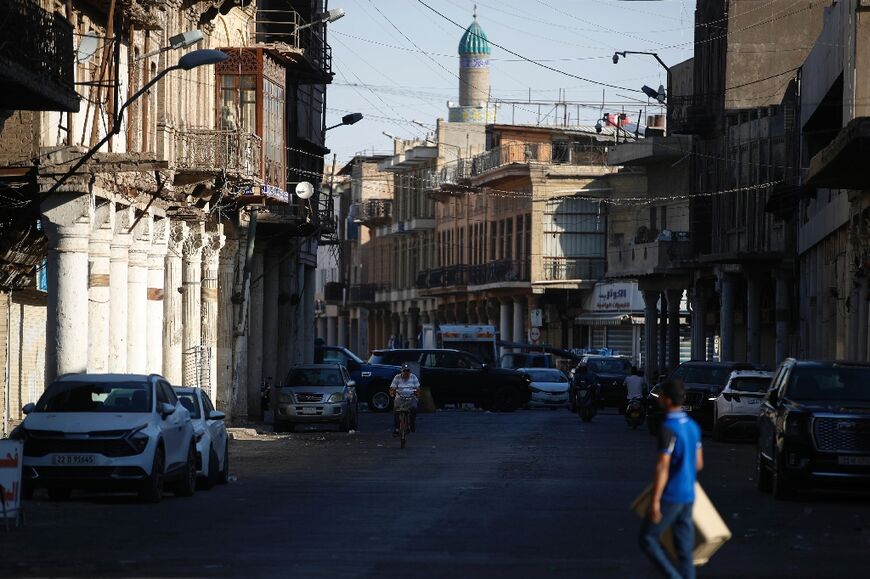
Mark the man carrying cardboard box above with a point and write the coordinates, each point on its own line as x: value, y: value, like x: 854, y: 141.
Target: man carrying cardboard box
x: 673, y: 491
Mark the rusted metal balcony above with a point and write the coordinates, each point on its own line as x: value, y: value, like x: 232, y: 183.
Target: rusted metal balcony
x: 375, y: 212
x: 283, y: 32
x: 36, y: 59
x: 654, y: 257
x: 205, y: 152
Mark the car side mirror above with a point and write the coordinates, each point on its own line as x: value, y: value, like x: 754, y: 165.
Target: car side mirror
x: 351, y: 384
x: 28, y: 408
x: 216, y: 415
x: 165, y: 409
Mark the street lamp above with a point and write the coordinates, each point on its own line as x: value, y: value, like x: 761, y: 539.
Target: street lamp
x: 349, y: 119
x: 189, y: 61
x: 328, y: 16
x: 625, y: 53
x: 183, y: 40
x: 652, y: 93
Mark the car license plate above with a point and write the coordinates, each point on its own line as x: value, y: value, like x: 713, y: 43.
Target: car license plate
x: 753, y: 400
x: 854, y: 460
x: 73, y: 460
x: 687, y: 408
x: 308, y: 410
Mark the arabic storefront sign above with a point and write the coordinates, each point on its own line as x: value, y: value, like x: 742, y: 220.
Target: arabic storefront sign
x: 614, y: 297
x: 11, y: 454
x: 268, y: 191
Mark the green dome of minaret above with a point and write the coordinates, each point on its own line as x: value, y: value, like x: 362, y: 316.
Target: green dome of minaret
x: 474, y: 40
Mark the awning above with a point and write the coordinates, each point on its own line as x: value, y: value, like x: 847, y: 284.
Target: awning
x: 603, y: 319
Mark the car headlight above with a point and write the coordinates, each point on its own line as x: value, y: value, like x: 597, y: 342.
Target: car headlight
x: 285, y: 397
x: 336, y: 397
x: 138, y: 439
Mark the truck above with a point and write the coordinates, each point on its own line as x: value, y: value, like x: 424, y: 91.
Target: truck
x: 480, y: 340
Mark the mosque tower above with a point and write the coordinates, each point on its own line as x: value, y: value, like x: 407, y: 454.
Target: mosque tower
x: 474, y: 51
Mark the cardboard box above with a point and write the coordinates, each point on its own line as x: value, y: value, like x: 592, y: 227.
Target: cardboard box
x: 711, y: 532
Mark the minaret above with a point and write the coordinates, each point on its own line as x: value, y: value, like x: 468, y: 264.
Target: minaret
x: 474, y: 54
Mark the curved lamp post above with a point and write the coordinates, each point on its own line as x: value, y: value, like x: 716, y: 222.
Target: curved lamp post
x: 189, y: 61
x: 348, y: 119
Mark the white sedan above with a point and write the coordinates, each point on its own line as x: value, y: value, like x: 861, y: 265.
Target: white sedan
x: 740, y: 401
x: 549, y: 387
x: 210, y: 432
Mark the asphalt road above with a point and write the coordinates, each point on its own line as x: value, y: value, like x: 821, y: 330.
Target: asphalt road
x: 533, y: 494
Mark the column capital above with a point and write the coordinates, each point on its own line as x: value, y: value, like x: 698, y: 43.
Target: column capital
x: 178, y: 232
x: 213, y: 241
x: 140, y: 245
x: 66, y: 219
x: 192, y: 244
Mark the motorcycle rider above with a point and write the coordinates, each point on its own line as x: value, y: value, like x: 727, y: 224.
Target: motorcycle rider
x: 405, y: 385
x: 634, y: 385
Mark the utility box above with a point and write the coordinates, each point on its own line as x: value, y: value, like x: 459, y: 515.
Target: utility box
x: 711, y: 532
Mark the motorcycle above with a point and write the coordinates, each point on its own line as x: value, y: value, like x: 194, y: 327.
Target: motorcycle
x: 635, y: 413
x: 585, y: 401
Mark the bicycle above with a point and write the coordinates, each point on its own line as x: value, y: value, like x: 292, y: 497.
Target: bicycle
x: 404, y: 426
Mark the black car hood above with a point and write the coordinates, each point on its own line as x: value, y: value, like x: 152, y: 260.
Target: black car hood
x: 697, y: 387
x: 607, y: 376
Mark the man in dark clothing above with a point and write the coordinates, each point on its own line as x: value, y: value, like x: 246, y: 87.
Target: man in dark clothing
x: 673, y: 494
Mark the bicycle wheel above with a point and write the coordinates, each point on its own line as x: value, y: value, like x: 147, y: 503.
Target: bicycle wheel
x: 403, y: 427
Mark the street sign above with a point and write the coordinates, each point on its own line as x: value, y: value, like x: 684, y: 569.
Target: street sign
x: 11, y: 455
x: 536, y: 316
x: 535, y: 334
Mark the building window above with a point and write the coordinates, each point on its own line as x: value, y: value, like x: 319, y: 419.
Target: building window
x: 239, y: 102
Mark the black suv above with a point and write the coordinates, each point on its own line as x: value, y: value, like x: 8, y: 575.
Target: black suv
x: 814, y: 426
x: 704, y: 382
x: 607, y: 374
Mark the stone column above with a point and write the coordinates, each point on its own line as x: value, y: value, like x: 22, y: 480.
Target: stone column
x: 504, y: 323
x: 332, y: 330
x: 119, y: 270
x: 650, y: 335
x: 413, y: 325
x: 230, y: 272
x: 363, y: 329
x: 663, y: 333
x: 781, y: 305
x: 172, y: 308
x: 321, y: 327
x: 191, y: 305
x: 211, y: 248
x: 518, y: 333
x: 99, y: 293
x: 298, y: 328
x: 726, y: 317
x: 674, y: 298
x: 137, y: 295
x: 255, y: 334
x: 342, y: 329
x: 271, y: 311
x: 753, y: 319
x: 862, y: 319
x: 156, y: 295
x: 286, y: 269
x: 308, y: 311
x: 471, y: 312
x: 852, y: 350
x: 699, y: 314
x: 66, y: 220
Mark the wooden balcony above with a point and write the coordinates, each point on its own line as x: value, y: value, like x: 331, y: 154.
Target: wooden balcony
x: 204, y: 153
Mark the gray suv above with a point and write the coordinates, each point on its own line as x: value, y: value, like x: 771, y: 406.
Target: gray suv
x: 317, y: 393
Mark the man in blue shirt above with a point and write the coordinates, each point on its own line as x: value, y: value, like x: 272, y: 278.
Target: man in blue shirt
x: 673, y: 494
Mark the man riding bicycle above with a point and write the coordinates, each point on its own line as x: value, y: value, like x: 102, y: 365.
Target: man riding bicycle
x: 405, y: 389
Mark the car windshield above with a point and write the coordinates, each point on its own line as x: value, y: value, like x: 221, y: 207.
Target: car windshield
x: 342, y: 356
x: 546, y: 376
x: 613, y: 366
x: 88, y: 396
x: 753, y: 384
x: 843, y: 384
x: 188, y: 400
x: 314, y: 377
x: 394, y: 357
x: 717, y: 375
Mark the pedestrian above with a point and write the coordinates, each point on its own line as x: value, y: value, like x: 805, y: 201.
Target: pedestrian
x: 680, y: 457
x: 634, y: 384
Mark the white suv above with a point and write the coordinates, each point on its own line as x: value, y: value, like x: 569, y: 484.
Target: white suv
x: 108, y: 432
x: 740, y: 401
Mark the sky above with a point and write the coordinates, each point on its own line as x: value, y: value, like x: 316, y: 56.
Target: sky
x: 396, y: 61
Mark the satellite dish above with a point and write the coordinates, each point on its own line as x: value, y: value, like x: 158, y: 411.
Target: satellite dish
x: 87, y: 47
x: 304, y: 190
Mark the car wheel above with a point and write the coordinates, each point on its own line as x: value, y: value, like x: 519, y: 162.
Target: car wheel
x: 211, y: 477
x: 380, y: 401
x: 152, y: 489
x: 762, y: 474
x: 506, y: 399
x: 187, y: 485
x: 782, y: 488
x: 224, y: 474
x: 59, y: 494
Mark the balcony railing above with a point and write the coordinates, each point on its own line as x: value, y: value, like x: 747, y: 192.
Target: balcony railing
x: 374, y: 212
x: 282, y: 27
x: 694, y: 114
x: 365, y: 293
x: 501, y: 271
x: 570, y: 269
x: 648, y: 258
x: 556, y: 153
x: 37, y: 58
x: 442, y: 277
x: 235, y: 153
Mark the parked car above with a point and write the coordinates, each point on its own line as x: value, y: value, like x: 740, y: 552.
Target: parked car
x: 737, y: 406
x: 210, y: 433
x: 459, y: 377
x: 814, y: 427
x: 317, y: 393
x: 704, y: 382
x: 108, y: 432
x: 399, y: 356
x: 608, y: 374
x: 517, y: 360
x: 372, y: 379
x: 549, y: 387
